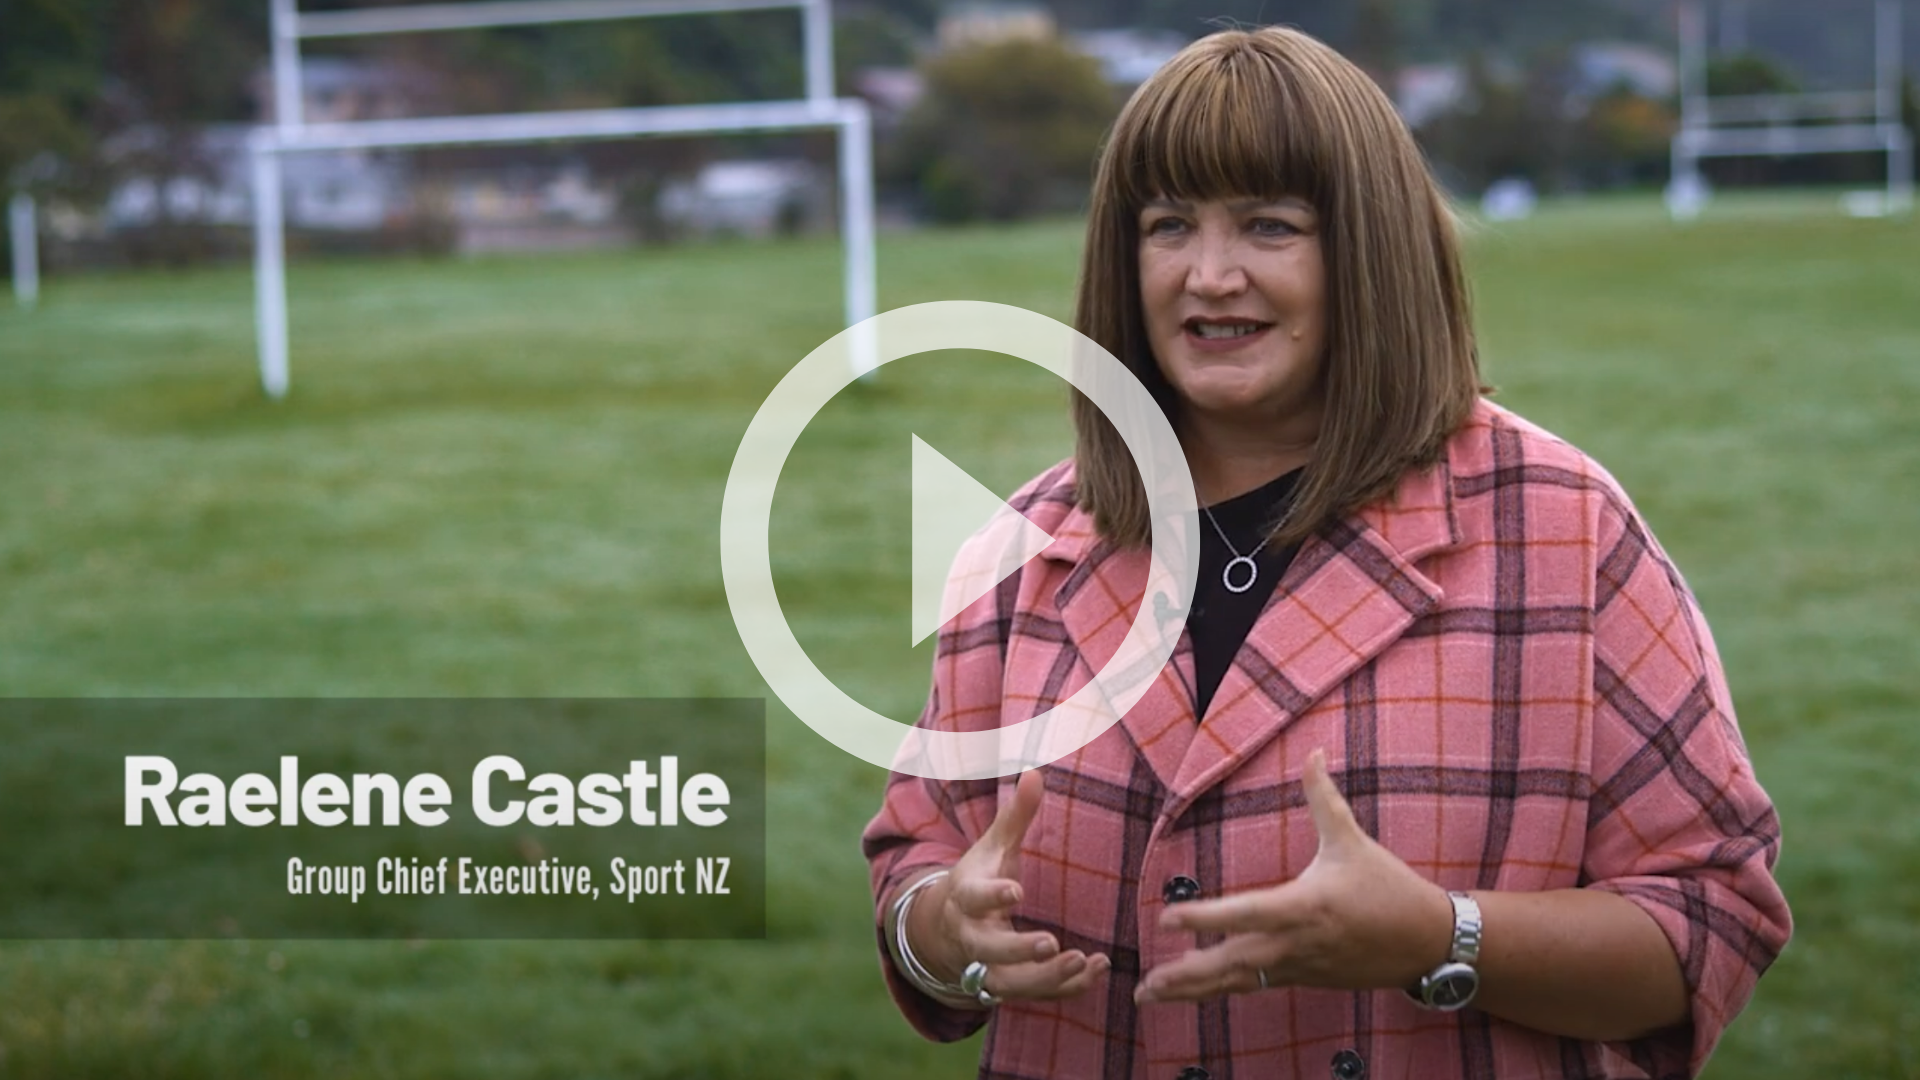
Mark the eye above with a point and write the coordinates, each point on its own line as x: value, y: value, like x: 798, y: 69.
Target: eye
x: 1272, y: 228
x: 1165, y: 225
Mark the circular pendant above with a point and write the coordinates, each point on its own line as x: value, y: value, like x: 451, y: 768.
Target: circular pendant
x: 1253, y: 574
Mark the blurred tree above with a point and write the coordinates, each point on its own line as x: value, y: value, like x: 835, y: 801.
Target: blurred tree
x: 1376, y: 40
x: 1748, y: 73
x: 1005, y: 130
x: 50, y: 72
x: 921, y: 15
x: 106, y: 89
x: 637, y: 62
x: 1498, y: 130
x: 1625, y: 139
x: 1424, y: 29
x: 1533, y: 123
x: 41, y: 142
x: 868, y: 38
x: 172, y: 67
x: 732, y: 56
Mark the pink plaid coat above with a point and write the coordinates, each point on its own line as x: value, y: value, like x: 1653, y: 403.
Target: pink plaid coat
x: 1515, y: 691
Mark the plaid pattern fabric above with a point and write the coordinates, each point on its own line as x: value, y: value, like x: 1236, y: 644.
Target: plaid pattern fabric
x: 1515, y: 691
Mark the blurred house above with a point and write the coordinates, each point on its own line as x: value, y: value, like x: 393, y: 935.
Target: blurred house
x: 201, y: 177
x: 534, y: 209
x: 337, y: 89
x: 1423, y: 92
x: 511, y: 206
x: 208, y: 180
x: 353, y: 191
x: 1602, y: 67
x: 990, y: 23
x: 749, y: 198
x: 1128, y: 57
x: 1509, y: 199
x: 891, y: 92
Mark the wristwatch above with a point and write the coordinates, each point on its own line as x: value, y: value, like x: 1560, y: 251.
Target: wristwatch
x: 1452, y: 985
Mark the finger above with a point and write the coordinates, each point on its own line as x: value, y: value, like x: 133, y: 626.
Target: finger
x: 1224, y: 968
x: 1270, y: 911
x: 1332, y: 817
x: 1201, y: 989
x: 984, y: 897
x: 1047, y: 979
x: 991, y: 944
x: 1097, y: 966
x: 1009, y: 827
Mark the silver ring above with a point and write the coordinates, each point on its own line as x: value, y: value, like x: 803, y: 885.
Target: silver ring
x: 1262, y: 974
x: 973, y: 982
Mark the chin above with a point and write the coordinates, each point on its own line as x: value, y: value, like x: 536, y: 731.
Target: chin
x: 1223, y: 395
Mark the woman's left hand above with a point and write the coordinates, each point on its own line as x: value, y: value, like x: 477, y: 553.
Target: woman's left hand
x: 1357, y: 918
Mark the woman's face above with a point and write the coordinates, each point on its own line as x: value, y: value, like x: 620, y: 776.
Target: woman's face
x: 1235, y: 299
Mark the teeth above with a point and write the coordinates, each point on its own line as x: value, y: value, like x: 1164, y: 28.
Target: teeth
x: 1222, y: 330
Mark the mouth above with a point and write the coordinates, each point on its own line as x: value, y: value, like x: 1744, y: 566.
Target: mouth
x: 1223, y: 329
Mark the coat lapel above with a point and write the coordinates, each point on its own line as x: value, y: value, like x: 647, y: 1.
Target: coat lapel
x: 1098, y: 601
x: 1351, y: 592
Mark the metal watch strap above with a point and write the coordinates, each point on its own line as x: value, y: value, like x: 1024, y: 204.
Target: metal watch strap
x: 1466, y: 929
x: 1456, y: 981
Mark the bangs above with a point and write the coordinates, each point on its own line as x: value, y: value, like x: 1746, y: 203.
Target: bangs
x: 1219, y: 123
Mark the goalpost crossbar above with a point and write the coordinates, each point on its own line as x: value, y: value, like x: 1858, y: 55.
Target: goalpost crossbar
x: 290, y: 134
x: 422, y: 18
x: 565, y: 126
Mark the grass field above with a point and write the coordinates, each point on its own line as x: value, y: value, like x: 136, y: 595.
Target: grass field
x: 504, y: 477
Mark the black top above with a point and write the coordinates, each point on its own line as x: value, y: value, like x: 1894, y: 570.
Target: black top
x: 1221, y: 618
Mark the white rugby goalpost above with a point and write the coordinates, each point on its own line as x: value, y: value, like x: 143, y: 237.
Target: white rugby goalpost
x: 22, y: 226
x: 1779, y: 125
x: 290, y: 134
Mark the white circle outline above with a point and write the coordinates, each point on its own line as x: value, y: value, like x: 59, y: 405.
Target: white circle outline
x: 747, y: 572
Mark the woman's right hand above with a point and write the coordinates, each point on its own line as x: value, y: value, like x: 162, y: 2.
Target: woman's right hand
x: 968, y: 916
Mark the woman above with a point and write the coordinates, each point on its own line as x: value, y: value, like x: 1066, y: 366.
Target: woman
x: 1444, y: 779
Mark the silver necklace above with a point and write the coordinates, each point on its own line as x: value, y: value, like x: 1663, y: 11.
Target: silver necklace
x: 1253, y: 568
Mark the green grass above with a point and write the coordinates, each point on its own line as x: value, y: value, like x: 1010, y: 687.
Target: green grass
x: 504, y: 478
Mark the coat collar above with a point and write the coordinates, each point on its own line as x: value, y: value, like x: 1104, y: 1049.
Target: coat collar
x: 1353, y: 589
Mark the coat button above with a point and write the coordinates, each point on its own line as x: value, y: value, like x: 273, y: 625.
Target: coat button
x: 1179, y: 889
x: 1194, y: 1072
x: 1348, y: 1065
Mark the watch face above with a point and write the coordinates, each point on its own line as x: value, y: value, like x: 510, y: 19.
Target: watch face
x: 1452, y: 987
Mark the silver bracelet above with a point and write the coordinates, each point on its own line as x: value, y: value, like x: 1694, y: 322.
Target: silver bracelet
x: 946, y: 993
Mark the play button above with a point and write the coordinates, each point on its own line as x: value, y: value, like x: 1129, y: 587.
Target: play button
x: 966, y: 540
x: 950, y: 509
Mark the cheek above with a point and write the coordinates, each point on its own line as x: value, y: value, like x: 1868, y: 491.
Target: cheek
x: 1314, y: 291
x: 1316, y: 328
x: 1301, y: 298
x: 1160, y: 288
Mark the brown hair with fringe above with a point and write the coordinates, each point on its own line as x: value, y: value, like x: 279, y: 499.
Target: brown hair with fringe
x: 1268, y: 114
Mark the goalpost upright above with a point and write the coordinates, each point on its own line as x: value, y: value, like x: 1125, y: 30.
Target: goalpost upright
x: 291, y: 134
x: 23, y: 227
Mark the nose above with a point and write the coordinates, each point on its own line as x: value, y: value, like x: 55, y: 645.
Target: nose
x: 1216, y: 272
